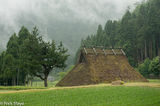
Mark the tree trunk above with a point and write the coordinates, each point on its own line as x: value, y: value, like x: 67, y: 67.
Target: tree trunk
x: 141, y: 55
x: 158, y: 51
x: 145, y: 49
x: 31, y: 83
x: 151, y: 50
x: 12, y: 81
x: 45, y: 81
x: 156, y: 47
x: 18, y: 77
x: 138, y: 56
x: 46, y: 73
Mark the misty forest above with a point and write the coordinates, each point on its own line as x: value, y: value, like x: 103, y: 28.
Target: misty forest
x: 29, y: 55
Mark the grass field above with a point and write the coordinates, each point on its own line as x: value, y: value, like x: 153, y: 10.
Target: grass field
x: 154, y: 80
x: 35, y: 85
x: 97, y: 96
x: 131, y: 94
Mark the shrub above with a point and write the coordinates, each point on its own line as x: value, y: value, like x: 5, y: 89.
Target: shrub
x: 144, y: 68
x: 154, y: 66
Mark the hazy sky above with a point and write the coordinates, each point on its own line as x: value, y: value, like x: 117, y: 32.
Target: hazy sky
x: 58, y: 15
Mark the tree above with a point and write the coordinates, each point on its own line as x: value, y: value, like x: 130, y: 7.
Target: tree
x: 144, y: 68
x: 42, y: 57
x: 154, y: 66
x: 14, y: 48
x: 29, y: 55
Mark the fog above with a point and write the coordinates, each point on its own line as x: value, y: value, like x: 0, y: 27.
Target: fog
x: 62, y: 20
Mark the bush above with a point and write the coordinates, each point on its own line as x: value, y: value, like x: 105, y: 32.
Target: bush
x: 154, y: 66
x: 144, y: 68
x: 150, y: 67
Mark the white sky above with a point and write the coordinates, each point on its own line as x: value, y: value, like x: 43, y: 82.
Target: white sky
x: 85, y: 11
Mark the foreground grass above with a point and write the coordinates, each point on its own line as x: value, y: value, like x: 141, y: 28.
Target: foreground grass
x: 18, y: 88
x: 92, y: 96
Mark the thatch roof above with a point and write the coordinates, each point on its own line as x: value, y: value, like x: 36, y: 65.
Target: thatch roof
x: 100, y: 66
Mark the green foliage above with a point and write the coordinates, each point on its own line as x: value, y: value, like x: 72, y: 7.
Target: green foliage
x: 92, y: 96
x: 144, y: 68
x: 42, y: 57
x: 154, y: 66
x: 150, y: 67
x: 28, y: 55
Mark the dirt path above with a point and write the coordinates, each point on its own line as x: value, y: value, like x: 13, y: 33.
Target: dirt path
x: 139, y: 84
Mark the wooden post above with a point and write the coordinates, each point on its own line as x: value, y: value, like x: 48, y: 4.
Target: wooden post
x: 104, y: 52
x: 113, y: 52
x: 94, y: 51
x: 85, y: 50
x: 123, y: 52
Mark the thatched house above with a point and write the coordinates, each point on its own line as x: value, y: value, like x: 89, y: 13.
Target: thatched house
x: 100, y: 66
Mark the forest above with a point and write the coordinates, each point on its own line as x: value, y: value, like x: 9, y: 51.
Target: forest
x: 28, y: 56
x: 138, y: 33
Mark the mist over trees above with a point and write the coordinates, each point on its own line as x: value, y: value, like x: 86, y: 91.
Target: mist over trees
x: 137, y: 33
x: 68, y: 21
x: 27, y: 56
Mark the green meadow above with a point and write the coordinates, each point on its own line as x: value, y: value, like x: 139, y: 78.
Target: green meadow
x: 87, y: 96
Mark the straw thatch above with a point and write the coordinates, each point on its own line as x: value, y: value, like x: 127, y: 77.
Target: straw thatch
x: 100, y: 66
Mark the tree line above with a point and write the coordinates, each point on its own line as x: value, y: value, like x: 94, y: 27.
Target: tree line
x: 28, y: 56
x: 138, y: 33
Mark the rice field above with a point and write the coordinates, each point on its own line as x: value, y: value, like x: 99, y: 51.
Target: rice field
x: 91, y: 96
x: 130, y: 94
